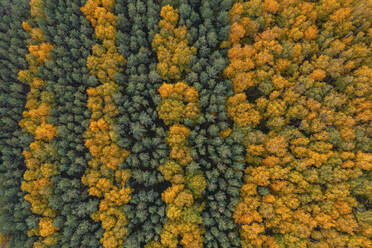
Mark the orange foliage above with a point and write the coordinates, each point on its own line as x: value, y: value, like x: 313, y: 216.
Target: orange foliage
x: 241, y: 111
x: 300, y: 73
x: 171, y: 46
x: 37, y: 178
x: 104, y: 63
x: 179, y: 102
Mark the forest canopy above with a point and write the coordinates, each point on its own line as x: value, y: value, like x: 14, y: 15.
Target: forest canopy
x: 185, y: 123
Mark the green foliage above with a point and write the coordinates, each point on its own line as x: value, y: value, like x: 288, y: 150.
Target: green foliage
x: 68, y: 78
x: 14, y: 210
x: 213, y: 153
x: 138, y: 124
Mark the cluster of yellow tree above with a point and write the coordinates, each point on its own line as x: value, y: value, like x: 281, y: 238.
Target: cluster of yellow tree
x: 4, y: 239
x: 41, y: 157
x: 104, y: 178
x: 298, y: 187
x: 179, y: 102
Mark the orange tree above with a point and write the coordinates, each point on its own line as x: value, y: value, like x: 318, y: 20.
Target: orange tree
x: 300, y: 101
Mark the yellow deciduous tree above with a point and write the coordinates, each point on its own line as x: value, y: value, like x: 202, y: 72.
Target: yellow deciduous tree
x: 104, y: 179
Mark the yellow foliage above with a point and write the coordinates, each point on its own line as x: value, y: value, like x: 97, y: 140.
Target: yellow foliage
x: 171, y: 46
x: 318, y: 74
x: 37, y: 180
x: 89, y: 9
x: 165, y: 90
x: 172, y: 172
x: 311, y: 32
x: 271, y: 6
x: 173, y: 212
x: 105, y: 65
x: 241, y: 111
x: 4, y: 239
x: 279, y: 55
x: 225, y: 133
x: 46, y: 227
x: 173, y: 108
x: 114, y: 222
x: 48, y: 170
x: 177, y: 134
x: 51, y: 240
x: 364, y: 160
x: 181, y: 153
x: 171, y: 111
x: 191, y: 235
x: 237, y: 32
x: 255, y: 150
x: 37, y: 34
x: 27, y: 27
x: 197, y: 184
x: 170, y: 193
x: 184, y: 199
x: 179, y: 101
x: 45, y: 132
x: 169, y: 14
x: 104, y: 178
x: 154, y: 244
x: 37, y: 8
x: 276, y: 145
x: 41, y: 52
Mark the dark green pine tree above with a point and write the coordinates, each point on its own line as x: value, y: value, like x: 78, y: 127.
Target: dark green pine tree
x: 67, y: 76
x: 141, y: 131
x: 219, y: 158
x: 15, y: 214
